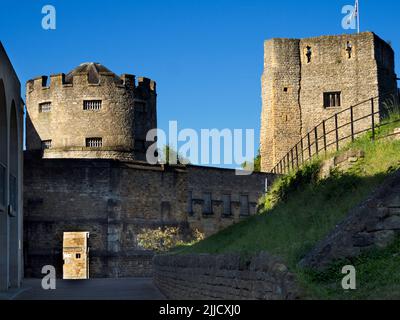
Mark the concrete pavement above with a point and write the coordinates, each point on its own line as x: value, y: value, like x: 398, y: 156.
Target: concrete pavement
x: 93, y: 289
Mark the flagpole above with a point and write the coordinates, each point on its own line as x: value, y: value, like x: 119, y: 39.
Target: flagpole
x: 358, y: 16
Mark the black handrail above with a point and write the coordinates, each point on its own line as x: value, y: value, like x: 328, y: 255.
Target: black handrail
x: 287, y: 163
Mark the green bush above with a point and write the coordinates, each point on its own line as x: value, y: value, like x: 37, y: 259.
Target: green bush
x: 286, y: 185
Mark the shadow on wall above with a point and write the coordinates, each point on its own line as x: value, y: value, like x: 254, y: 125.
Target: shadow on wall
x: 34, y: 141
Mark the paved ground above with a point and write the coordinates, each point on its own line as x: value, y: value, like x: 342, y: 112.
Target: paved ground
x: 93, y: 289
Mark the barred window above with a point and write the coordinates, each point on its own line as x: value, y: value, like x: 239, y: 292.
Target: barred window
x: 46, y: 144
x: 45, y: 107
x: 244, y: 205
x: 332, y: 99
x: 94, y: 142
x: 92, y: 105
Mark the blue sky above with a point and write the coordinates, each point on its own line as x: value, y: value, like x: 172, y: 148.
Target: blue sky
x: 206, y: 56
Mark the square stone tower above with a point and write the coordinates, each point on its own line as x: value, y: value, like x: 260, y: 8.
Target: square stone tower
x: 306, y: 81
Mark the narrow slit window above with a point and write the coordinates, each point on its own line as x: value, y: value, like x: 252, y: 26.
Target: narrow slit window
x: 226, y: 199
x: 332, y: 99
x: 244, y: 205
x: 45, y: 107
x: 349, y: 49
x: 94, y: 142
x: 207, y: 209
x: 308, y: 54
x: 190, y: 202
x: 92, y: 105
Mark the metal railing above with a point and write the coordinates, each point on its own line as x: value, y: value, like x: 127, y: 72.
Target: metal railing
x: 338, y: 129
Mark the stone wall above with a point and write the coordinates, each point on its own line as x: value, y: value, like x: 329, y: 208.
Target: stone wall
x: 220, y: 183
x: 128, y: 112
x: 115, y: 201
x: 11, y: 145
x: 224, y: 277
x: 293, y: 87
x: 373, y: 224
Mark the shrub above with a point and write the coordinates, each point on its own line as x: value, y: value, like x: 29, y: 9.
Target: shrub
x: 285, y: 185
x: 164, y: 239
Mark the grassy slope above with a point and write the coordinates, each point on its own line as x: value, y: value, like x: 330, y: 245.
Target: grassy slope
x: 294, y: 226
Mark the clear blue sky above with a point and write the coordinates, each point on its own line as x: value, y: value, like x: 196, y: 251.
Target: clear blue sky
x: 206, y: 56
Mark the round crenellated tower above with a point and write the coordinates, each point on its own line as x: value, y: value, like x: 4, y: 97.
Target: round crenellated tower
x: 90, y: 113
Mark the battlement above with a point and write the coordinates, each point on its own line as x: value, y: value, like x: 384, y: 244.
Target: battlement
x: 61, y: 80
x: 329, y: 49
x: 90, y: 113
x: 308, y: 80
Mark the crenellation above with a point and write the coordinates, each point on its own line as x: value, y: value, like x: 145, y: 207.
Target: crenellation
x: 129, y: 80
x: 298, y: 73
x: 112, y: 114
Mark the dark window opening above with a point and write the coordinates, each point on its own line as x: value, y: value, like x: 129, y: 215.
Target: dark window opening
x: 309, y: 54
x: 94, y: 142
x: 46, y: 144
x: 285, y: 89
x: 45, y: 107
x: 244, y: 205
x: 207, y: 209
x: 349, y: 49
x: 92, y: 105
x: 332, y: 99
x: 190, y: 202
x: 226, y: 199
x: 78, y: 256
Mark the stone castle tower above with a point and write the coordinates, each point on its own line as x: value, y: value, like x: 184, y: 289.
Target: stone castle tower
x: 308, y: 80
x: 90, y: 113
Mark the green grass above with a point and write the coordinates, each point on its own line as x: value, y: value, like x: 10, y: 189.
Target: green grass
x: 377, y: 277
x: 300, y: 210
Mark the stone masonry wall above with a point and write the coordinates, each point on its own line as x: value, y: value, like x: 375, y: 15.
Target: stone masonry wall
x: 373, y: 224
x: 128, y: 112
x: 223, y: 277
x: 281, y: 115
x: 220, y: 183
x: 115, y: 201
x: 293, y: 86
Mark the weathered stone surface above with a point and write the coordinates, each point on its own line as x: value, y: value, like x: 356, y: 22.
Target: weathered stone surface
x: 396, y: 133
x: 263, y: 277
x: 373, y: 224
x: 293, y: 88
x: 384, y: 238
x: 114, y: 201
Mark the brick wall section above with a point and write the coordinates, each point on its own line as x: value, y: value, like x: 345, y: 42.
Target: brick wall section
x: 293, y: 88
x: 225, y: 277
x: 373, y: 224
x: 115, y: 201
